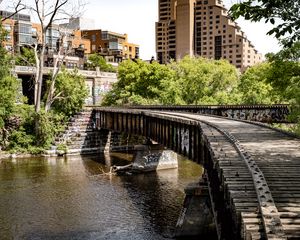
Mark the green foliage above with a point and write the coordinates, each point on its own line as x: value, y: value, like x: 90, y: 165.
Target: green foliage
x: 20, y: 140
x: 139, y: 83
x: 96, y: 60
x: 70, y: 92
x: 49, y: 125
x: 205, y: 81
x: 254, y: 86
x: 191, y: 81
x: 8, y: 84
x: 62, y: 147
x: 26, y: 57
x: 24, y: 138
x: 284, y: 77
x: 283, y: 14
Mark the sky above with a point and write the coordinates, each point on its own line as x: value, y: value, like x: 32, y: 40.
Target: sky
x: 137, y: 18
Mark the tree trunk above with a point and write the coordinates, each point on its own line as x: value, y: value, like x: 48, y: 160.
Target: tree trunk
x: 40, y: 80
x: 51, y: 91
x: 39, y: 84
x: 36, y: 79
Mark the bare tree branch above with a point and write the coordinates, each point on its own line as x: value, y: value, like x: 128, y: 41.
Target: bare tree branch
x: 17, y: 8
x: 58, y: 5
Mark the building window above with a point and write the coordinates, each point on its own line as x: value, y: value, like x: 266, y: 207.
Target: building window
x: 218, y: 47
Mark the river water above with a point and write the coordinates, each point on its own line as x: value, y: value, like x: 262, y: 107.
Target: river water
x: 70, y: 198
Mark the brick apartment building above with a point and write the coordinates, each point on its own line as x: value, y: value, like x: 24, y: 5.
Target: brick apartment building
x: 79, y: 44
x: 114, y: 47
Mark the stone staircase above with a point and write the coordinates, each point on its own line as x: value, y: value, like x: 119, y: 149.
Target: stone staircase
x: 80, y: 137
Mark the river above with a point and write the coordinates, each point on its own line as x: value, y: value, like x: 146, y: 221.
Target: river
x: 70, y: 198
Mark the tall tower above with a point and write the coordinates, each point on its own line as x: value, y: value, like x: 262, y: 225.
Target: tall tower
x: 184, y: 28
x: 166, y: 31
x: 201, y: 28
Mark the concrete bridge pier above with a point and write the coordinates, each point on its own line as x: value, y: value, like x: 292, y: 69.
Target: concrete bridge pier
x: 153, y: 157
x: 196, y: 218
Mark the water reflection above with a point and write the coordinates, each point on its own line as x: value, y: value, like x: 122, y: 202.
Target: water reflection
x: 65, y: 198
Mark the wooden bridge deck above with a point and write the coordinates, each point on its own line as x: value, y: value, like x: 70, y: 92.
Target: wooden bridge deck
x: 253, y: 171
x: 278, y: 157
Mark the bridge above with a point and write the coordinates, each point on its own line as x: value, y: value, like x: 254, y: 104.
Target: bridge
x: 252, y: 170
x: 98, y: 82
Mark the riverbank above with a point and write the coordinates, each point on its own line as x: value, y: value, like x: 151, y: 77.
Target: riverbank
x: 7, y: 155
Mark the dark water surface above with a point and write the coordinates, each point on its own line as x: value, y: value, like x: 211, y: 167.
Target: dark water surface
x: 66, y: 198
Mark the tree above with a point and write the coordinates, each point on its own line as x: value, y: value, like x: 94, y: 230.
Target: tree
x: 283, y: 14
x: 191, y: 81
x: 139, y: 83
x: 96, y: 60
x: 26, y: 57
x: 17, y: 6
x: 205, y: 81
x: 70, y: 92
x: 47, y: 12
x: 254, y: 86
x: 285, y: 76
x: 8, y: 85
x: 285, y: 72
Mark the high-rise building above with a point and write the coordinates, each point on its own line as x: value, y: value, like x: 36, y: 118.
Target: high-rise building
x: 201, y: 28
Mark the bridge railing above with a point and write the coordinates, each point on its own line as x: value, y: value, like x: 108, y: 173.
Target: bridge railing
x: 87, y: 73
x: 277, y: 113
